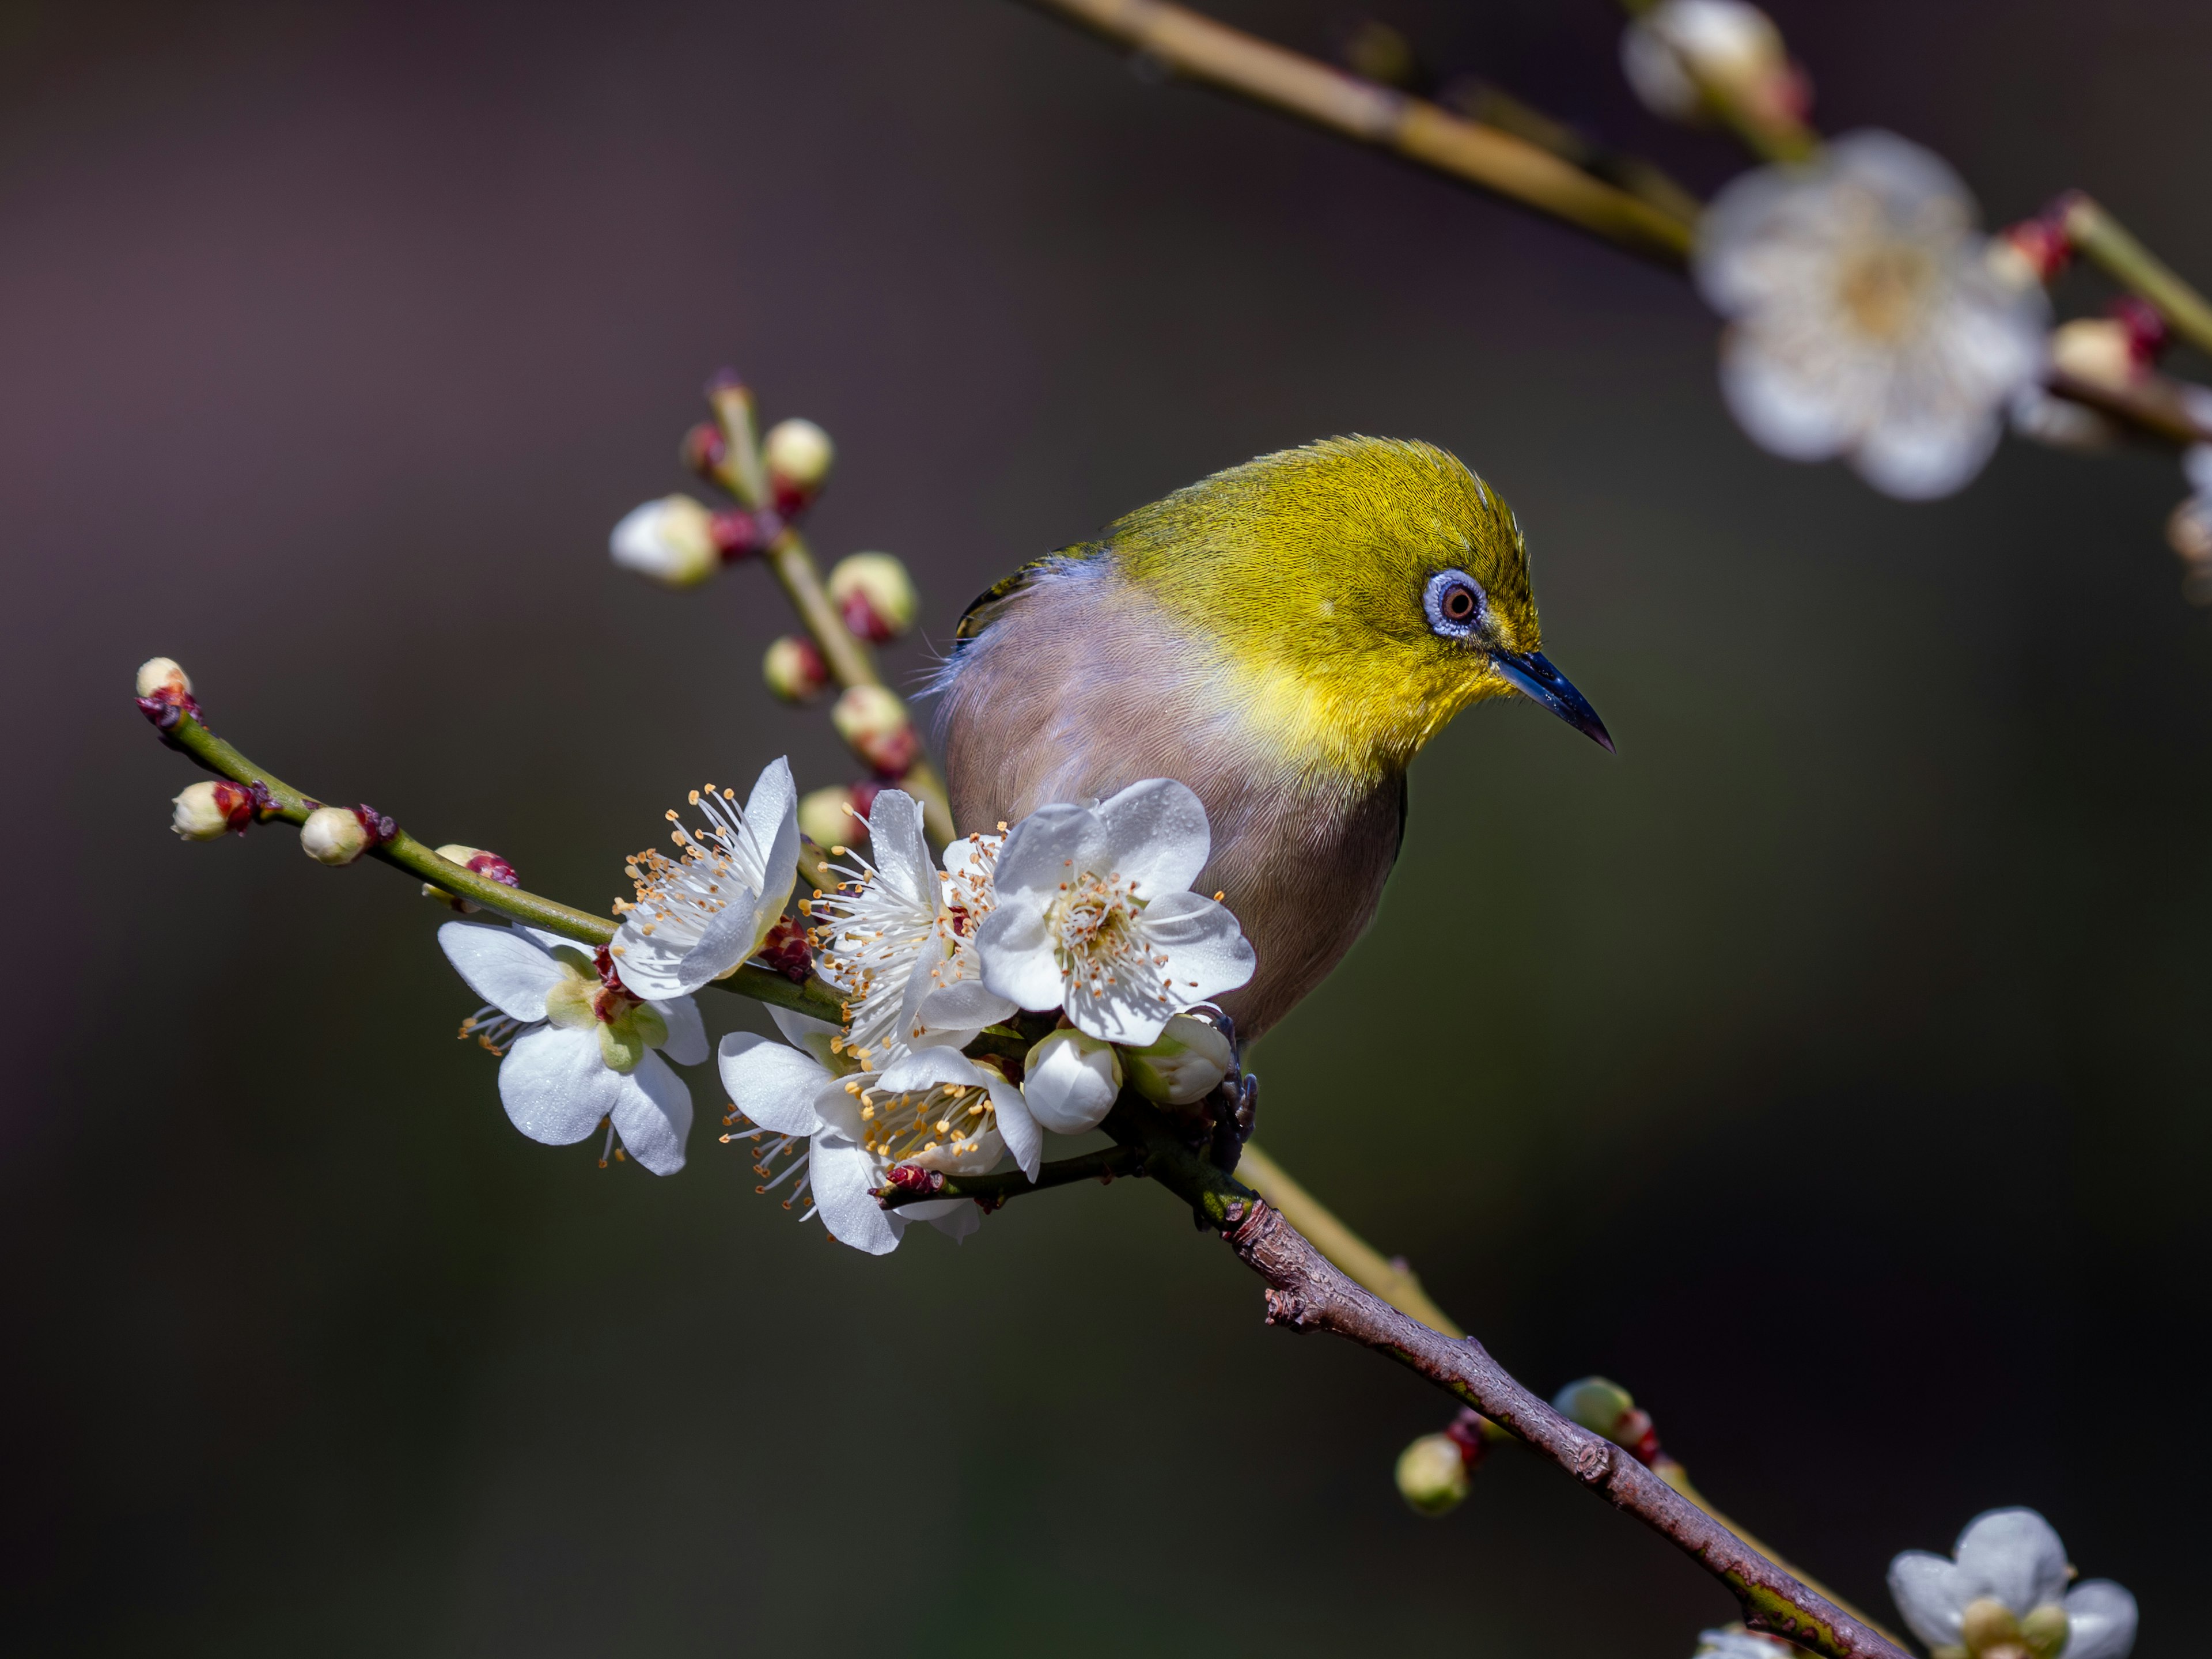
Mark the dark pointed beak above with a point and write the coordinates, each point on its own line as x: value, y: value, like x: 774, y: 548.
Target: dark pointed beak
x: 1537, y: 680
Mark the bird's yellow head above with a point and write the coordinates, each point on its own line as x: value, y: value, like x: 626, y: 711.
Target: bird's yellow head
x: 1357, y: 593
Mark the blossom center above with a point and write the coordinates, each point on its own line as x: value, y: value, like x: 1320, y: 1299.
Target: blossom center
x: 1098, y: 936
x: 944, y: 1121
x: 1883, y: 290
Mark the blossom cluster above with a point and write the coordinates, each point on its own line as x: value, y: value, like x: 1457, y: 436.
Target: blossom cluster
x: 1084, y: 911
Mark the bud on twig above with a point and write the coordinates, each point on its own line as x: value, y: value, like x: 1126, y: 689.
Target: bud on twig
x: 874, y: 594
x: 704, y: 451
x: 874, y: 722
x: 1604, y: 1407
x: 339, y: 834
x: 799, y: 455
x: 1185, y: 1065
x: 829, y: 817
x: 208, y: 810
x: 794, y: 670
x: 672, y: 540
x: 786, y: 951
x: 476, y: 862
x: 165, y: 693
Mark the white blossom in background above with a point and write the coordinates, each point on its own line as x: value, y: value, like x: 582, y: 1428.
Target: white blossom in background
x: 934, y: 1108
x: 1094, y: 913
x: 1733, y: 1641
x: 698, y: 915
x: 899, y: 938
x: 670, y: 540
x: 1724, y: 42
x: 1865, y: 319
x: 577, y: 1048
x: 2003, y: 1592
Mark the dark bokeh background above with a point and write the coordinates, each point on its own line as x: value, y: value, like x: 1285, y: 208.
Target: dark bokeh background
x: 1830, y: 1066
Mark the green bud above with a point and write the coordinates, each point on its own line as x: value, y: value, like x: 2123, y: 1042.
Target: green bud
x: 1595, y: 1403
x: 799, y: 454
x: 1432, y: 1475
x: 1186, y: 1064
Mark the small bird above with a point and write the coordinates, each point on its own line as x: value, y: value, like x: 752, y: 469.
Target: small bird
x: 1283, y: 637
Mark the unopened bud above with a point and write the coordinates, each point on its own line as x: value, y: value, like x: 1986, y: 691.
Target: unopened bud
x: 1725, y: 44
x: 799, y: 456
x: 828, y: 819
x: 670, y: 540
x: 786, y: 951
x: 1070, y: 1081
x: 2097, y: 349
x: 874, y: 594
x: 1596, y: 1403
x: 207, y: 810
x: 1186, y: 1064
x: 476, y: 862
x: 874, y: 722
x: 333, y: 835
x: 705, y: 449
x: 160, y: 677
x: 794, y: 670
x: 1432, y: 1475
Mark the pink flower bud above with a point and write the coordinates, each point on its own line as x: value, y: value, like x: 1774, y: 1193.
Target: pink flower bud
x: 476, y: 862
x: 799, y: 455
x: 874, y: 722
x: 874, y: 594
x: 165, y: 694
x: 786, y: 951
x: 794, y: 670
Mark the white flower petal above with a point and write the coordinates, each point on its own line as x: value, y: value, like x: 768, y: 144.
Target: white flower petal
x: 687, y: 1032
x: 2013, y: 1555
x: 955, y: 1217
x: 1923, y: 462
x: 836, y: 1103
x: 653, y: 1115
x: 772, y: 831
x: 1041, y: 847
x: 1014, y: 948
x: 773, y: 1085
x: 1925, y: 1588
x: 845, y: 1180
x: 1019, y: 1127
x: 896, y: 848
x: 503, y: 965
x: 1156, y: 837
x: 969, y: 854
x: 555, y: 1086
x: 1782, y: 411
x: 658, y: 966
x: 969, y: 1006
x: 1119, y: 1012
x: 927, y: 1068
x: 2100, y: 1622
x: 1207, y: 953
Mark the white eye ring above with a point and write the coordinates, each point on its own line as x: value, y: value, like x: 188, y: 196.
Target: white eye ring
x: 1447, y: 600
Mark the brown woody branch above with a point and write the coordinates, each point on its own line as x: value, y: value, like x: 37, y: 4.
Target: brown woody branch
x: 1306, y: 1293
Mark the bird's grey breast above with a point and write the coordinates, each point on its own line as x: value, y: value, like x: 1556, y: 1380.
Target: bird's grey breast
x: 1079, y: 686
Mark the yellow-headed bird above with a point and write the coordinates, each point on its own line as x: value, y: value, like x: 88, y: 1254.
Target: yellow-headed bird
x: 1283, y: 637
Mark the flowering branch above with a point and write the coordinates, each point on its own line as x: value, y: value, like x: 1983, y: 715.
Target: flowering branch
x: 2103, y: 240
x: 274, y: 801
x: 1196, y: 45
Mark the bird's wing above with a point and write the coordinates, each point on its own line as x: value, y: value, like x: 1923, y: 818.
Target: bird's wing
x: 986, y: 605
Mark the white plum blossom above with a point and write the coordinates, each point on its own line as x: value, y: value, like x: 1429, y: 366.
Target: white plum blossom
x: 700, y: 915
x: 898, y: 939
x: 1867, y: 318
x: 935, y: 1109
x: 1094, y: 913
x: 2003, y: 1591
x: 577, y: 1048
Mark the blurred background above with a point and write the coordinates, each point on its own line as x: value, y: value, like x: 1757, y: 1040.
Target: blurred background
x: 1829, y: 1067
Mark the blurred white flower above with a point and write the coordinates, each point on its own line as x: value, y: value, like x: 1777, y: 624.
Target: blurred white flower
x: 2189, y: 531
x: 1094, y: 913
x: 899, y: 938
x: 1735, y: 1641
x: 2002, y: 1593
x: 1865, y: 319
x: 576, y: 1047
x: 698, y: 915
x: 935, y: 1111
x: 1666, y: 52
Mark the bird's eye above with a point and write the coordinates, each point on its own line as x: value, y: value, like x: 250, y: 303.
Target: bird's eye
x: 1453, y: 602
